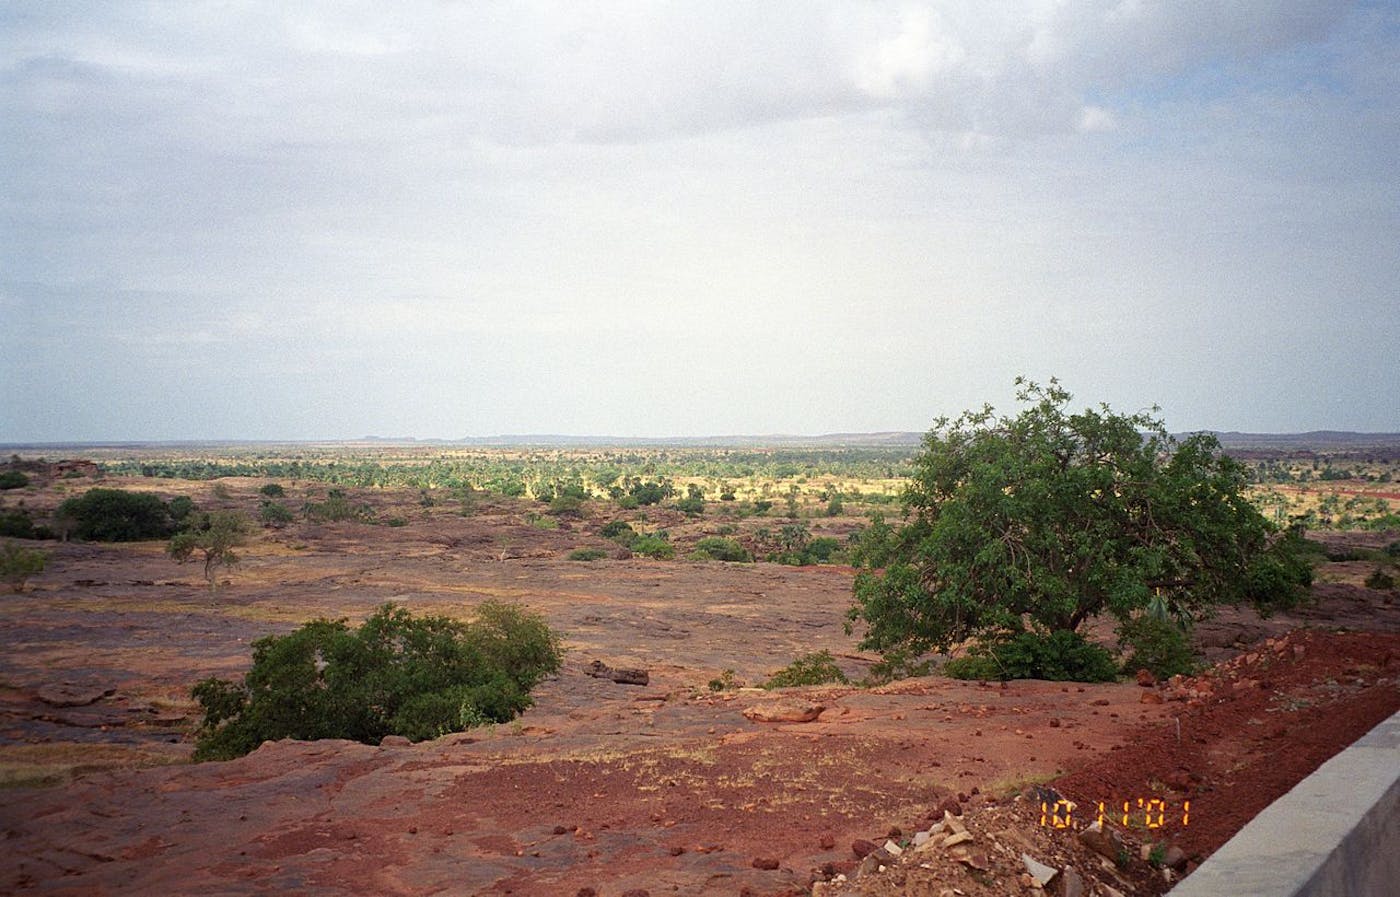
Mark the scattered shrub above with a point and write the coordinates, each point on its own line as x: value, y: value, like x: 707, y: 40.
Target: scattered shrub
x: 396, y: 521
x: 15, y: 523
x: 587, y: 554
x: 719, y: 548
x: 541, y: 522
x: 725, y: 681
x: 566, y: 505
x: 272, y: 490
x: 13, y: 479
x: 18, y: 564
x: 620, y: 531
x: 275, y: 515
x: 1380, y: 579
x: 691, y: 506
x: 1061, y: 656
x: 762, y: 507
x: 818, y: 668
x: 115, y: 515
x: 181, y: 507
x: 654, y: 545
x: 395, y: 674
x: 335, y: 508
x: 1157, y: 645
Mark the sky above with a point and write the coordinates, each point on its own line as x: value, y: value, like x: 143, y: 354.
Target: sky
x: 327, y: 220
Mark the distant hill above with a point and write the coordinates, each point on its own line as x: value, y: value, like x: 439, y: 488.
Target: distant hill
x: 1314, y: 440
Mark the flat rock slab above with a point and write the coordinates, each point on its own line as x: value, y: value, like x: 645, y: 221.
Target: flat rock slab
x: 66, y: 694
x: 784, y: 712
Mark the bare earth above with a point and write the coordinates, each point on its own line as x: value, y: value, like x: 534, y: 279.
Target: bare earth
x: 669, y: 787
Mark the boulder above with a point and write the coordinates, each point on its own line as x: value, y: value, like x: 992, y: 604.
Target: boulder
x: 784, y: 712
x: 600, y: 670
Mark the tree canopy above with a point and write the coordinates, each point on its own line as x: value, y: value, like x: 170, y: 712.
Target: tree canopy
x: 1041, y: 521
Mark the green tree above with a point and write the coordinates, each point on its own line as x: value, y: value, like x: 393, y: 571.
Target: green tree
x: 214, y: 535
x: 18, y: 564
x: 115, y: 515
x: 1041, y: 521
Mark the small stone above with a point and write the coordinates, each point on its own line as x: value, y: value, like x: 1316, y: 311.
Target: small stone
x: 766, y: 863
x: 1071, y: 883
x: 560, y: 830
x: 893, y: 849
x: 1054, y: 723
x: 862, y: 848
x: 827, y: 842
x: 953, y: 824
x: 586, y: 892
x: 1174, y: 858
x: 957, y: 838
x: 895, y: 832
x: 1039, y: 871
x: 950, y: 806
x: 920, y: 838
x: 976, y: 861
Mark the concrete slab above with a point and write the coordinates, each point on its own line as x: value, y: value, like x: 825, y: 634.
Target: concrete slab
x: 1336, y: 834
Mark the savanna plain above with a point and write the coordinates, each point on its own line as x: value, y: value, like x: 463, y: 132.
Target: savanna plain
x: 681, y: 580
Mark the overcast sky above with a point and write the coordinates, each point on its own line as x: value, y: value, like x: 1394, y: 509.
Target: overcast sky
x: 288, y: 220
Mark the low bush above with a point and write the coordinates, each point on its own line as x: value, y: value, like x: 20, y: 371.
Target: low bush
x: 16, y: 523
x: 718, y: 548
x: 18, y: 564
x: 13, y: 479
x: 1061, y: 656
x: 725, y: 681
x: 818, y: 668
x: 1380, y: 579
x: 396, y: 674
x: 654, y: 545
x: 272, y: 490
x: 115, y: 515
x: 337, y: 507
x: 1159, y: 646
x: 620, y: 531
x: 273, y: 514
x: 587, y: 554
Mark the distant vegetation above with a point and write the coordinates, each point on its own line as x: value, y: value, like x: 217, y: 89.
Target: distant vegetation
x: 395, y: 674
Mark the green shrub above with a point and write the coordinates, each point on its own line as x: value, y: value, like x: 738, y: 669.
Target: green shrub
x: 620, y: 531
x: 396, y: 521
x: 15, y: 523
x: 725, y: 681
x: 762, y: 507
x: 395, y: 674
x: 13, y: 479
x: 818, y: 668
x: 691, y: 506
x: 719, y: 548
x: 1157, y: 645
x: 587, y: 554
x: 273, y: 514
x: 1061, y: 656
x: 335, y: 508
x: 566, y: 505
x: 181, y: 507
x: 115, y: 515
x: 272, y: 490
x: 18, y: 564
x: 1379, y: 579
x: 1393, y: 549
x: 654, y: 545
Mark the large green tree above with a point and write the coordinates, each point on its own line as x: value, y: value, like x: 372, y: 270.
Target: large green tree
x: 1044, y: 520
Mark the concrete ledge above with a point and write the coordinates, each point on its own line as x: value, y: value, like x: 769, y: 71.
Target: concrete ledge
x: 1336, y: 834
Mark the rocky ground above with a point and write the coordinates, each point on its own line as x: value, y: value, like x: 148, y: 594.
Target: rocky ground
x: 669, y: 787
